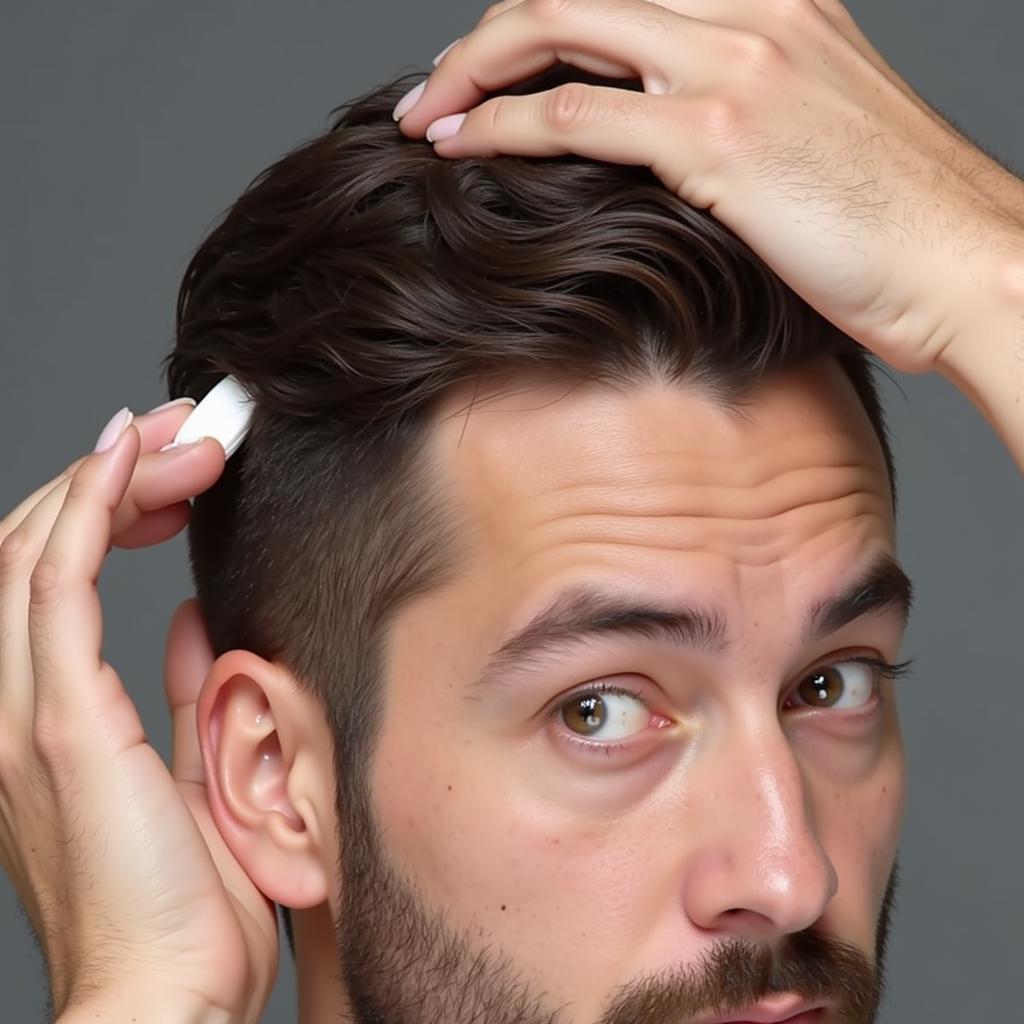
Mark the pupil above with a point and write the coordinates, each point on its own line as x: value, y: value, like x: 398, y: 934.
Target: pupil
x: 822, y: 689
x: 587, y: 713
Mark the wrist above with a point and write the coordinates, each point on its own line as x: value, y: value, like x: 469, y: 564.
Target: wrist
x: 985, y: 360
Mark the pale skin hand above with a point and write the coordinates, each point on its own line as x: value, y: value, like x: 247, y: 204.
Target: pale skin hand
x: 780, y: 118
x: 139, y: 906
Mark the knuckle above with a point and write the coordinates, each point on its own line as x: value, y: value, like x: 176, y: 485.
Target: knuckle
x: 758, y: 53
x: 720, y: 121
x: 550, y: 10
x: 493, y: 113
x: 13, y: 551
x: 568, y: 106
x: 79, y: 485
x: 50, y: 739
x: 56, y: 738
x: 45, y: 581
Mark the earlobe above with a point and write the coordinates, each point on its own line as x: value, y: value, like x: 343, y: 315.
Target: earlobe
x: 255, y: 747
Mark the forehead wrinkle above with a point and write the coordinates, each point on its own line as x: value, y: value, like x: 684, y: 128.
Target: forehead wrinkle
x: 681, y: 516
x: 687, y: 501
x: 596, y: 476
x: 686, y: 485
x: 753, y: 554
x: 670, y: 466
x: 740, y: 469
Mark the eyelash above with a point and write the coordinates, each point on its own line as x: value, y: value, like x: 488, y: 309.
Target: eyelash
x: 884, y: 669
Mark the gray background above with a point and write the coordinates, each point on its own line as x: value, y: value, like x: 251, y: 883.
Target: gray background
x: 129, y: 126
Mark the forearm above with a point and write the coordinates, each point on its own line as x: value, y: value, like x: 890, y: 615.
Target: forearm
x: 987, y: 361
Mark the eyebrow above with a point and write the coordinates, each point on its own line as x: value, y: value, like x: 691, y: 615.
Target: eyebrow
x: 582, y: 612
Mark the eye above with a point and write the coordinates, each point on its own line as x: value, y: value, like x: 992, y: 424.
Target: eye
x: 604, y: 713
x: 842, y: 686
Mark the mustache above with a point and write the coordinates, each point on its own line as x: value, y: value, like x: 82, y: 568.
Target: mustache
x: 733, y: 973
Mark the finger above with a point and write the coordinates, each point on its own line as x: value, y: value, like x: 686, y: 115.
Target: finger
x: 17, y: 515
x: 155, y: 527
x: 774, y: 20
x: 187, y: 663
x: 158, y: 428
x: 153, y: 510
x: 75, y: 691
x: 653, y: 43
x: 603, y: 123
x: 155, y: 428
x: 162, y: 479
x: 610, y: 69
x: 19, y: 553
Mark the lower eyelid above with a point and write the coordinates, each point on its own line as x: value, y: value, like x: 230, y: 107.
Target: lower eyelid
x: 590, y: 747
x: 595, y: 748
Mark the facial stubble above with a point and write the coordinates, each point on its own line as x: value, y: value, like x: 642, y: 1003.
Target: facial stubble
x: 403, y: 963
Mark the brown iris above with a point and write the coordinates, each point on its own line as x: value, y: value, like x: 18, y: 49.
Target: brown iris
x: 585, y: 714
x: 822, y: 688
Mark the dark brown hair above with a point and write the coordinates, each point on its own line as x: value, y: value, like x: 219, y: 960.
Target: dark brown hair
x: 362, y: 276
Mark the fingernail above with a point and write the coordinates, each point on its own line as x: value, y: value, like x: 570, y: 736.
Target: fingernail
x: 114, y: 428
x: 408, y: 101
x: 437, y: 60
x: 444, y: 127
x: 172, y: 444
x: 171, y: 405
x: 181, y: 447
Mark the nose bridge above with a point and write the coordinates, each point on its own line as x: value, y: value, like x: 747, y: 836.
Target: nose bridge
x: 761, y: 866
x: 778, y: 798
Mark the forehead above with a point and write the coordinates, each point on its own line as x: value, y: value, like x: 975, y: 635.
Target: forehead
x: 656, y: 484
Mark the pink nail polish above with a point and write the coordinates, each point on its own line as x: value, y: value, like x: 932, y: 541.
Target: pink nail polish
x: 408, y: 101
x: 114, y: 428
x: 444, y: 127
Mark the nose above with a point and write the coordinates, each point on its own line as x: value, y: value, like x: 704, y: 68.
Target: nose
x: 759, y: 870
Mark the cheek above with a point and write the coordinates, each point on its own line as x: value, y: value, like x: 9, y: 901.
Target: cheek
x: 879, y: 804
x: 860, y: 827
x: 474, y: 839
x: 555, y: 891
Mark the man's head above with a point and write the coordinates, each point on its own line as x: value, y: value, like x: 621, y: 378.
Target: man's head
x: 549, y: 589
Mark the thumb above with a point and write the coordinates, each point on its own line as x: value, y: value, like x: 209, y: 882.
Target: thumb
x: 187, y: 663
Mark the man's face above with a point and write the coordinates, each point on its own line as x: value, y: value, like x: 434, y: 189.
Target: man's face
x: 625, y: 812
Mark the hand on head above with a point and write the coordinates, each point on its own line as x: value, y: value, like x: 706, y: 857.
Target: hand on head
x: 838, y: 193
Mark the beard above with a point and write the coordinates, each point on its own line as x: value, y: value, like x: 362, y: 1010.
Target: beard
x: 402, y: 963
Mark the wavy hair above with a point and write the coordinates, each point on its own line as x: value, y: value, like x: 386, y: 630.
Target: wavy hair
x: 359, y: 278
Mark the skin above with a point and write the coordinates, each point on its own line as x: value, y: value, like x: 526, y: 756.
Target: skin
x: 928, y: 275
x: 861, y: 197
x: 594, y: 872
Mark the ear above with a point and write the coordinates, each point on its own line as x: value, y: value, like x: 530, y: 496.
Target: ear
x: 267, y: 755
